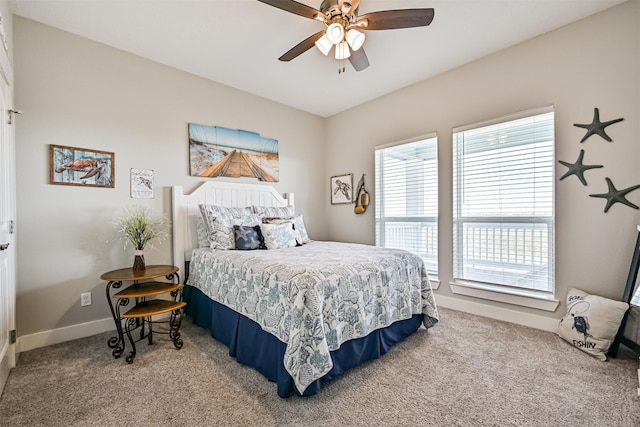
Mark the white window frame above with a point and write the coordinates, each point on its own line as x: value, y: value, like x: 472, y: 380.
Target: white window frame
x: 543, y: 300
x: 381, y: 220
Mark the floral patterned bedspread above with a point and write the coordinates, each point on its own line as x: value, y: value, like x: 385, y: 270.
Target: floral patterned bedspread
x: 316, y: 296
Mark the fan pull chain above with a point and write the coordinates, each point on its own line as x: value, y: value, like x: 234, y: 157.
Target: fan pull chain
x: 341, y: 68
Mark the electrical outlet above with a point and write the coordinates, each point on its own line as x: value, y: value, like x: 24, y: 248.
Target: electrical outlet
x: 85, y: 299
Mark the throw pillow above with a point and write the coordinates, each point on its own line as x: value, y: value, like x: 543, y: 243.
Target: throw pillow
x: 248, y: 238
x: 591, y: 322
x: 298, y: 225
x: 278, y: 236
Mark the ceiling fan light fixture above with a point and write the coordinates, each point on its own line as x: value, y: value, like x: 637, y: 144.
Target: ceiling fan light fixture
x: 335, y: 33
x: 342, y: 50
x: 324, y: 45
x: 355, y: 39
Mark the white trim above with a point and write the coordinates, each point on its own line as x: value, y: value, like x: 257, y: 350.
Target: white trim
x: 68, y: 333
x: 506, y: 118
x: 407, y: 141
x: 522, y: 297
x: 525, y: 319
x: 6, y: 364
x: 435, y: 284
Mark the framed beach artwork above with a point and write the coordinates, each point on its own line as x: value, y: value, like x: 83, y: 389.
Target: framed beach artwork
x: 342, y: 189
x: 141, y: 183
x: 81, y: 166
x: 217, y: 151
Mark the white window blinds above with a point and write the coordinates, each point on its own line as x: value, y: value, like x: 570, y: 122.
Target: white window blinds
x: 407, y: 198
x: 503, y: 201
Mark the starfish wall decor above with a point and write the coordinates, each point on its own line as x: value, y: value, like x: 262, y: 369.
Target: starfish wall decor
x: 616, y: 196
x: 596, y: 127
x: 577, y: 168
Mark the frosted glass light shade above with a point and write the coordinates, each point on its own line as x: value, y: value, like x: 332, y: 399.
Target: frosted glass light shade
x: 342, y: 50
x: 355, y: 39
x: 335, y: 33
x: 324, y: 45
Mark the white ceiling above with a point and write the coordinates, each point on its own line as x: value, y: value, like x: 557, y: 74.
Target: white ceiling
x: 238, y: 42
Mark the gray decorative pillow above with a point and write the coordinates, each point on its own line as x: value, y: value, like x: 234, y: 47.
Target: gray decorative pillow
x: 278, y: 236
x: 202, y: 231
x: 220, y: 235
x: 591, y: 322
x: 228, y: 215
x: 272, y: 211
x: 248, y: 237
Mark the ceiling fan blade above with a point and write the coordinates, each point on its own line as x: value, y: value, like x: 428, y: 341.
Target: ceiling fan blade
x: 301, y: 47
x: 392, y: 19
x: 359, y: 59
x: 294, y: 7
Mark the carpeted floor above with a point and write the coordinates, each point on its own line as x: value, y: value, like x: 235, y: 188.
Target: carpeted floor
x: 466, y: 371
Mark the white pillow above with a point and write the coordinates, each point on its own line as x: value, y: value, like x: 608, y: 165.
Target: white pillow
x: 278, y: 236
x: 298, y: 225
x: 591, y: 322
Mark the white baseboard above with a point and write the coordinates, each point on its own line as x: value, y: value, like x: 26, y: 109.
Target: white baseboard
x: 68, y: 333
x: 5, y: 367
x: 499, y: 313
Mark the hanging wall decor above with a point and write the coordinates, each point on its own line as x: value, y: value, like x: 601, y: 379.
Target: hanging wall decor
x: 361, y: 198
x: 616, y: 196
x: 578, y: 169
x: 596, y: 127
x: 216, y: 151
x: 81, y: 166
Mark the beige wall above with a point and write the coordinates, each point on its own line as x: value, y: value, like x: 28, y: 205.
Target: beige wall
x: 79, y: 93
x: 592, y: 63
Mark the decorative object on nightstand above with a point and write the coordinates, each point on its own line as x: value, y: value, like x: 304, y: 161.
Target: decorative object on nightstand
x: 140, y: 315
x: 140, y: 227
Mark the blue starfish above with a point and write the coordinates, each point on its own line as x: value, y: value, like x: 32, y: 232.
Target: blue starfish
x: 577, y: 168
x: 596, y: 126
x: 616, y: 196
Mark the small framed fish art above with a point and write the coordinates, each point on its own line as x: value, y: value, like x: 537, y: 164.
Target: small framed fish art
x: 141, y: 183
x: 81, y: 166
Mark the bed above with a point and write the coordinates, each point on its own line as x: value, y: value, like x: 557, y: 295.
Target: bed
x: 300, y: 315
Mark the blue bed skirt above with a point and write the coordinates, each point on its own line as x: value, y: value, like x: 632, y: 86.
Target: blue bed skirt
x: 252, y: 346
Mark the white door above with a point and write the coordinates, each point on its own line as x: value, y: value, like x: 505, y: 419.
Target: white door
x: 7, y: 217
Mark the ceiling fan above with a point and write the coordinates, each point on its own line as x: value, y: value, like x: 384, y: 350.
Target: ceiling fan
x: 343, y: 25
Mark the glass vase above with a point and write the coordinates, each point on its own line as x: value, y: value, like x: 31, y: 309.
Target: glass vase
x: 138, y: 261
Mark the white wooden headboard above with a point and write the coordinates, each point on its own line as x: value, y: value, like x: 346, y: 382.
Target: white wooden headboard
x: 221, y: 193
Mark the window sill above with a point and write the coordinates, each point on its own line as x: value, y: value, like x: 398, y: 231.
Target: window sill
x: 519, y: 297
x: 435, y: 283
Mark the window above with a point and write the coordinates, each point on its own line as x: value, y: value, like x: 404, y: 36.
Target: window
x: 503, y: 202
x: 407, y: 198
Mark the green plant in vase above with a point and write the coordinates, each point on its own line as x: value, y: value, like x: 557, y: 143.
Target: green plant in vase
x: 140, y: 228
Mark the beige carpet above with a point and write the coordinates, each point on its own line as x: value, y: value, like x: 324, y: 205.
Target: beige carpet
x: 466, y: 371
